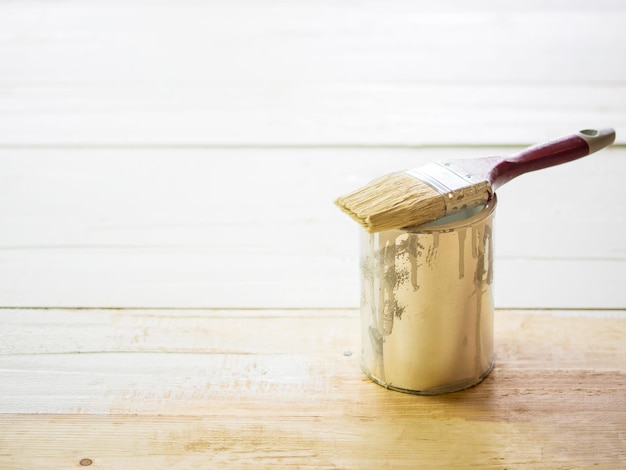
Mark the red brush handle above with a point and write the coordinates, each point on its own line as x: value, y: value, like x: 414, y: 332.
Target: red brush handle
x: 554, y: 152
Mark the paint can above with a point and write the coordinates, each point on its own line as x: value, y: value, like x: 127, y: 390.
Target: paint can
x: 427, y: 304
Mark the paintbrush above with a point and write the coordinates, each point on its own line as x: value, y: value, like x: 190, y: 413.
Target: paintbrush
x: 421, y: 195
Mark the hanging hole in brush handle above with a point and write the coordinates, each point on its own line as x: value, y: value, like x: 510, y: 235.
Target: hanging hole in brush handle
x: 551, y: 153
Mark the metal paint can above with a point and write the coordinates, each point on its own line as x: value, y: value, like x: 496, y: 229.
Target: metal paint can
x: 427, y: 304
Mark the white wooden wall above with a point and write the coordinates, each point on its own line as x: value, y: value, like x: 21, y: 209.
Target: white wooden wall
x: 186, y: 154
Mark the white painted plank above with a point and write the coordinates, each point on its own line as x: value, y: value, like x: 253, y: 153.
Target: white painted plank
x: 112, y: 41
x: 560, y: 283
x: 302, y: 73
x: 193, y: 278
x: 306, y: 114
x: 210, y: 198
x: 257, y: 228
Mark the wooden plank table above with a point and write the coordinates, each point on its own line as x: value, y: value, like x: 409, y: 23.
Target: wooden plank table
x: 177, y: 289
x: 280, y: 389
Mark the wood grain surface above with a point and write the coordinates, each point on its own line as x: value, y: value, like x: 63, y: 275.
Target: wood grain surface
x: 177, y: 290
x: 138, y: 388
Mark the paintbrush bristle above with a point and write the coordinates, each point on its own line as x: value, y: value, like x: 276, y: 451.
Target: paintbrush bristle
x: 393, y: 201
x: 415, y: 197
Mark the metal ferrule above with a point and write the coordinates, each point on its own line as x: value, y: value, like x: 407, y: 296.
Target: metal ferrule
x: 459, y: 188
